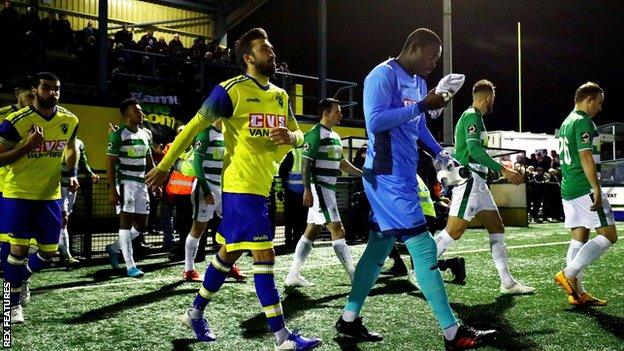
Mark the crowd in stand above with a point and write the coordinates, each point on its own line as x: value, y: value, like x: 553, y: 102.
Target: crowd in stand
x: 28, y: 35
x: 176, y: 62
x: 542, y: 174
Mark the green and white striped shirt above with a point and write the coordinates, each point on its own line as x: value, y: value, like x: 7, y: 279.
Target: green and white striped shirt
x: 322, y: 145
x: 209, y: 151
x: 132, y: 149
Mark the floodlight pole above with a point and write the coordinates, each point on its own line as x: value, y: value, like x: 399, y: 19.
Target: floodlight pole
x: 103, y: 45
x: 447, y: 125
x: 322, y: 49
x: 519, y: 77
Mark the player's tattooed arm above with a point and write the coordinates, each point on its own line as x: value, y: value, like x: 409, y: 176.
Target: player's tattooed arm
x: 110, y: 176
x: 71, y: 159
x: 306, y: 165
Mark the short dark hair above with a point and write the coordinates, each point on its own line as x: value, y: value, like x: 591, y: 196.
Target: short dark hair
x: 37, y: 77
x: 243, y: 44
x: 127, y: 103
x: 587, y: 90
x: 326, y: 105
x: 484, y: 86
x: 421, y: 37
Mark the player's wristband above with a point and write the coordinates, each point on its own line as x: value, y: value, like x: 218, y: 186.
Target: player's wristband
x: 73, y: 173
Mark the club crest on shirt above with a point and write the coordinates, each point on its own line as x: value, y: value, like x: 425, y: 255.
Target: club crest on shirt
x: 472, y: 129
x: 198, y: 144
x: 64, y: 127
x: 585, y: 137
x: 306, y: 146
x: 280, y: 101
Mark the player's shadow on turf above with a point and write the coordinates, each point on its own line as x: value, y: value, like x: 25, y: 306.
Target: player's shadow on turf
x: 492, y: 316
x: 295, y: 302
x: 99, y: 276
x: 183, y: 344
x: 141, y: 299
x: 610, y: 323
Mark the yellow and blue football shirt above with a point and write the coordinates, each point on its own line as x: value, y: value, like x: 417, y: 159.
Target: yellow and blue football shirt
x: 37, y: 175
x: 4, y: 112
x: 249, y: 111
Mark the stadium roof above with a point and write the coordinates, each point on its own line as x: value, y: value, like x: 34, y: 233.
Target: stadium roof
x: 231, y: 11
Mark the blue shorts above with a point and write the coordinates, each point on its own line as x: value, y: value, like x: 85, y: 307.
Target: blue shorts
x: 4, y: 237
x: 395, y: 204
x: 246, y: 224
x: 38, y: 219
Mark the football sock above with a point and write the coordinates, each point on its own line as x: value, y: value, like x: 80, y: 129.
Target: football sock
x: 36, y: 263
x: 214, y: 278
x: 302, y: 250
x: 190, y: 250
x: 590, y: 252
x: 501, y: 260
x: 366, y: 272
x: 15, y: 274
x: 264, y: 281
x: 64, y: 243
x: 422, y: 248
x: 573, y: 249
x: 125, y: 242
x: 344, y: 255
x: 5, y: 250
x: 134, y: 233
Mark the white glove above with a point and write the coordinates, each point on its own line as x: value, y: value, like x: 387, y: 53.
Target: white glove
x: 449, y: 85
x: 443, y: 160
x: 450, y: 175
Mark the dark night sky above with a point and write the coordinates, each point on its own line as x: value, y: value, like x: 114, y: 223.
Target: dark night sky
x: 565, y: 43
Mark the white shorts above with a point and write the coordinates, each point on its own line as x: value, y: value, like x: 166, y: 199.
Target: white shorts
x: 470, y: 198
x: 578, y: 214
x: 68, y: 200
x: 325, y: 209
x: 203, y: 212
x: 134, y: 198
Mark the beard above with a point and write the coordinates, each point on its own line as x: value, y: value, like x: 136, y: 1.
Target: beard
x: 46, y: 103
x: 266, y: 68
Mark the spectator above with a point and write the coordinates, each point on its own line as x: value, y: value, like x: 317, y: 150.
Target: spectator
x: 175, y: 45
x: 224, y: 56
x: 123, y: 36
x: 161, y: 46
x: 146, y: 65
x: 546, y: 162
x: 532, y: 161
x: 553, y: 207
x: 121, y: 67
x: 555, y: 159
x: 148, y: 39
x: 46, y: 26
x: 536, y: 183
x: 30, y: 22
x: 9, y: 15
x: 62, y: 32
x: 199, y: 48
x: 89, y: 30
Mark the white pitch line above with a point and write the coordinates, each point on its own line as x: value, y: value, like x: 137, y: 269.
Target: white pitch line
x: 509, y: 247
x: 285, y: 268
